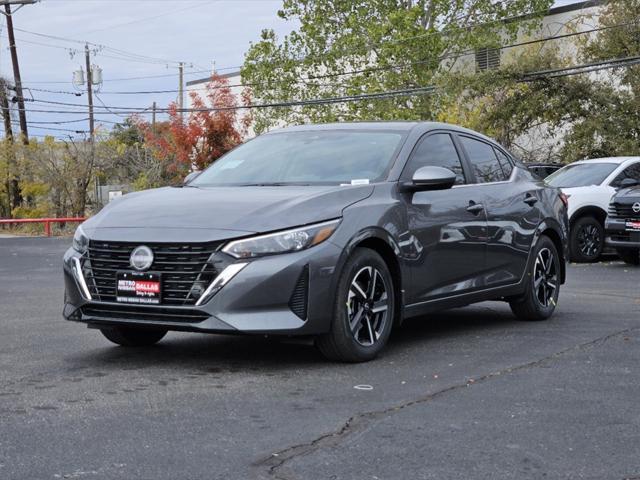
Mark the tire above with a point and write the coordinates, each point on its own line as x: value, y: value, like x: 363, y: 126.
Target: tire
x: 133, y: 337
x: 630, y: 256
x: 587, y: 240
x: 362, y: 319
x: 539, y: 300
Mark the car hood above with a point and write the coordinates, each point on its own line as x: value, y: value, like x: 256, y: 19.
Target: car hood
x: 582, y: 190
x: 223, y: 212
x: 628, y: 195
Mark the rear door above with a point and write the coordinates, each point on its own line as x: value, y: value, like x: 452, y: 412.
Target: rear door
x: 447, y: 228
x: 511, y: 203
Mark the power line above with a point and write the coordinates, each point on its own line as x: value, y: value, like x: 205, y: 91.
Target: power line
x: 145, y: 77
x: 59, y: 122
x: 527, y: 77
x: 52, y: 128
x: 144, y: 19
x: 98, y: 45
x: 365, y: 70
x: 305, y: 81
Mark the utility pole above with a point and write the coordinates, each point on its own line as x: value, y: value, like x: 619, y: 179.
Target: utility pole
x: 16, y: 67
x: 6, y: 113
x: 153, y: 118
x: 15, y: 194
x: 12, y: 181
x: 181, y: 90
x: 89, y: 90
x: 92, y: 145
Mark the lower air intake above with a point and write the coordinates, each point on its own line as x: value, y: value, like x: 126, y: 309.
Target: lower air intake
x: 299, y: 297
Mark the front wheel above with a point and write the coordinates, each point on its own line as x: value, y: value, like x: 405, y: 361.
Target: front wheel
x: 542, y: 286
x: 630, y: 256
x: 587, y: 240
x: 133, y: 337
x: 363, y: 310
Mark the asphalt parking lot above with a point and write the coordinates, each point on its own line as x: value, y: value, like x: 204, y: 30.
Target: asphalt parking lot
x: 470, y: 393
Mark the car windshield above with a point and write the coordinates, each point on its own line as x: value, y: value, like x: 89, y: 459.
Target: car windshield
x: 312, y: 157
x: 581, y: 175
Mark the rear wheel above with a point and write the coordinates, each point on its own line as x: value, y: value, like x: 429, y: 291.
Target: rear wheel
x: 133, y: 337
x: 543, y: 285
x: 630, y: 256
x: 363, y: 310
x: 587, y: 240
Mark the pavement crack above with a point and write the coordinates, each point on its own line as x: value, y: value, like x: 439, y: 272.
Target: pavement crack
x: 276, y: 463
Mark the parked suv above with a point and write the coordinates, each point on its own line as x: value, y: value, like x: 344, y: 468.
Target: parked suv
x: 589, y: 186
x: 623, y: 222
x: 336, y: 232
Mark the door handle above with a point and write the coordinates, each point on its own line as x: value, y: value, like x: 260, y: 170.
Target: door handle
x: 530, y: 199
x: 475, y: 208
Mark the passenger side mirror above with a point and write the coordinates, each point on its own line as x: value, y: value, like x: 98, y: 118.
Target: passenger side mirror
x: 628, y: 182
x: 431, y: 178
x: 191, y: 176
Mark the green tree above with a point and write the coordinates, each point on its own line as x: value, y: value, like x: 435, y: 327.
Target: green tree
x: 612, y: 127
x: 392, y: 44
x: 127, y: 133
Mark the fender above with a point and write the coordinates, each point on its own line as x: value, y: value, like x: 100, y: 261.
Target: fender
x: 552, y: 224
x: 598, y: 210
x: 377, y: 233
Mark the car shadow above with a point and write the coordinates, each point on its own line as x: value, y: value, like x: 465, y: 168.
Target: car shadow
x: 224, y: 353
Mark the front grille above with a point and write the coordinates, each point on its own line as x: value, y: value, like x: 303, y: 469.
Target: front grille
x: 184, y: 267
x: 617, y: 210
x: 126, y: 312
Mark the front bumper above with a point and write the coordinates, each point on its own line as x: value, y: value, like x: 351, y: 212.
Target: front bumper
x: 618, y: 237
x: 257, y: 300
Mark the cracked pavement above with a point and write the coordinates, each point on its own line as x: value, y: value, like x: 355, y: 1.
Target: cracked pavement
x: 468, y: 393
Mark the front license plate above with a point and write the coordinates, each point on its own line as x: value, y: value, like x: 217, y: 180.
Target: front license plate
x: 632, y: 225
x: 136, y: 287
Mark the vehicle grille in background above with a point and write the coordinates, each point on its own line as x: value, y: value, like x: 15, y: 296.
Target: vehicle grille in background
x: 617, y: 210
x: 621, y: 237
x: 128, y: 312
x: 298, y: 301
x: 183, y: 267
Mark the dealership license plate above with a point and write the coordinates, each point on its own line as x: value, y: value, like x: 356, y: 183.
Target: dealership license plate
x: 136, y: 287
x: 632, y: 225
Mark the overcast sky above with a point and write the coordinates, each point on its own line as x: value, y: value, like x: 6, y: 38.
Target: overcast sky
x: 196, y: 32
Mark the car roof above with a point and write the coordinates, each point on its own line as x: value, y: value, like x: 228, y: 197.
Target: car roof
x: 401, y: 126
x: 616, y: 160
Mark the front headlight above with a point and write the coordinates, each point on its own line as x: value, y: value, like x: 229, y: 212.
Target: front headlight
x: 282, y: 242
x: 80, y: 241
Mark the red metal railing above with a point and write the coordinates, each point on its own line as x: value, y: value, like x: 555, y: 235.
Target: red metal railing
x: 47, y: 222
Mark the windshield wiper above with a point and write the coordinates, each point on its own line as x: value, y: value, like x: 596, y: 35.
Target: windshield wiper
x: 273, y: 184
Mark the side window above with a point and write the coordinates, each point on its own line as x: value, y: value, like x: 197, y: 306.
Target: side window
x: 483, y: 160
x: 505, y: 163
x: 435, y: 150
x: 632, y: 171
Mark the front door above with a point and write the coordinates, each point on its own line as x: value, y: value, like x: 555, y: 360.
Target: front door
x: 447, y: 229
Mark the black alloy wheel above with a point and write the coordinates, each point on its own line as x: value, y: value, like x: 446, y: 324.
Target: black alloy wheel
x: 587, y: 240
x: 545, y: 277
x: 368, y: 306
x: 542, y: 287
x: 363, y: 310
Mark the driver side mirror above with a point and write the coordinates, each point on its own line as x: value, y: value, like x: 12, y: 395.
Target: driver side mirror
x: 431, y: 178
x: 190, y: 177
x: 628, y: 182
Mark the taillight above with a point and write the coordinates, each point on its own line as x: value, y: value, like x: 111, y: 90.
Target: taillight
x: 565, y: 198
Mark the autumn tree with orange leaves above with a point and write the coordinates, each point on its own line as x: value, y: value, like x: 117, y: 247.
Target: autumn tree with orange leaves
x: 213, y: 126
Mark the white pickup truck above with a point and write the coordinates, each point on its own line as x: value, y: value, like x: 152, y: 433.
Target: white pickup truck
x: 590, y: 184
